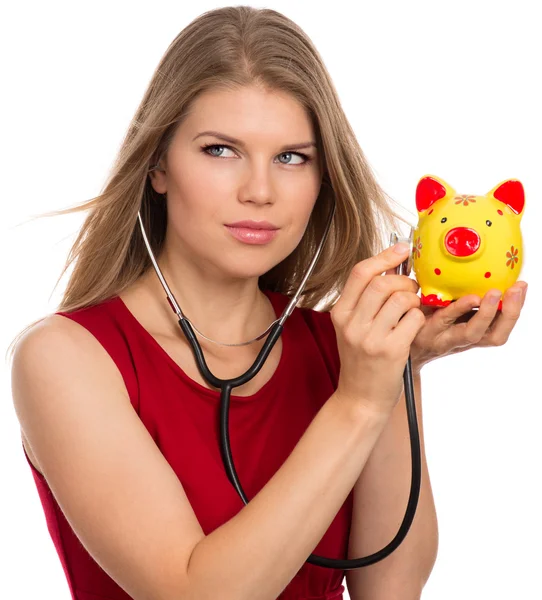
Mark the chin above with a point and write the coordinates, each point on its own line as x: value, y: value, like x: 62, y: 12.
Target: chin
x: 253, y: 269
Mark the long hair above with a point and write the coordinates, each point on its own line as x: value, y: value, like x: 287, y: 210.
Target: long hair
x: 229, y: 48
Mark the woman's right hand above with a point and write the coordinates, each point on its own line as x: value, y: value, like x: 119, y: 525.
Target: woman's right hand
x: 376, y: 319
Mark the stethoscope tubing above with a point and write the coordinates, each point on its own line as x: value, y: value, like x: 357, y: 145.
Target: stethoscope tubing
x: 226, y: 386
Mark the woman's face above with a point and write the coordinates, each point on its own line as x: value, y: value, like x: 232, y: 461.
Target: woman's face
x: 260, y: 177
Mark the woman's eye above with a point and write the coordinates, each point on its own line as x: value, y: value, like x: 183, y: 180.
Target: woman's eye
x: 304, y: 157
x: 207, y: 149
x: 211, y: 147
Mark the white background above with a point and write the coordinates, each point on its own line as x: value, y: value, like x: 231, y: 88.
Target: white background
x: 451, y: 89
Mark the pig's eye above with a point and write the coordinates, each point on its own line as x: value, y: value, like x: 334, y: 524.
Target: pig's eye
x: 489, y: 223
x: 443, y: 220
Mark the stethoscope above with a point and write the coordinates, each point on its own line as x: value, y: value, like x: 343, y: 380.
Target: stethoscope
x: 226, y: 385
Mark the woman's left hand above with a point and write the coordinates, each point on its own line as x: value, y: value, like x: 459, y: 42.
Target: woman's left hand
x: 456, y: 327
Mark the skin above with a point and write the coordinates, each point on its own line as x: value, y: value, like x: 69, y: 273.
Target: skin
x: 459, y: 327
x: 213, y: 275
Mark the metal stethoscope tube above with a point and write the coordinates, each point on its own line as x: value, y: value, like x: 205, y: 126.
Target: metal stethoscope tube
x: 226, y: 385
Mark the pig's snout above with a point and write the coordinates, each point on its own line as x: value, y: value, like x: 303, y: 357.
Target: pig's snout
x: 462, y: 241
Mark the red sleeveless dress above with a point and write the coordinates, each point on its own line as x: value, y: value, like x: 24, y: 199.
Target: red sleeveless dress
x: 182, y: 417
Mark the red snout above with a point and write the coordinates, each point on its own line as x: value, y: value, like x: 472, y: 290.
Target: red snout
x: 462, y: 241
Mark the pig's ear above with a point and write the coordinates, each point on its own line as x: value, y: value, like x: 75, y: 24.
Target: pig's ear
x: 430, y: 189
x: 511, y: 193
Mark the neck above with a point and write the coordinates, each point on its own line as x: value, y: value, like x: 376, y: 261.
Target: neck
x: 230, y: 311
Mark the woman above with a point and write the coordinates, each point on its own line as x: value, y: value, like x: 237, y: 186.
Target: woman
x: 143, y: 508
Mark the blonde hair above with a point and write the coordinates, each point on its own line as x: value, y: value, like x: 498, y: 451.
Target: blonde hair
x: 229, y: 48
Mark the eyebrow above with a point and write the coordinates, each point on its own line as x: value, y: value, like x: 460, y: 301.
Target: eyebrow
x: 233, y: 140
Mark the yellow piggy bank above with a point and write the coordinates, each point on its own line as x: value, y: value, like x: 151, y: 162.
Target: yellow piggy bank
x: 466, y: 244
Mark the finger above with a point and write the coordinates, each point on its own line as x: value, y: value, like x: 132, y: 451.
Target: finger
x: 408, y: 328
x: 449, y: 315
x: 394, y: 309
x: 364, y: 271
x: 469, y: 328
x: 476, y: 328
x: 523, y: 285
x: 505, y: 322
x: 379, y: 291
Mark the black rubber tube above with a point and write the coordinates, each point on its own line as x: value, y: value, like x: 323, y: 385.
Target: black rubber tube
x: 226, y: 385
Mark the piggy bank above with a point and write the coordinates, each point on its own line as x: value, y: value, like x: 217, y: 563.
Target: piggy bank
x: 466, y: 244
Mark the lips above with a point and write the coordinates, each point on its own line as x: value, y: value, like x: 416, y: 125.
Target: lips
x: 249, y: 235
x: 248, y: 224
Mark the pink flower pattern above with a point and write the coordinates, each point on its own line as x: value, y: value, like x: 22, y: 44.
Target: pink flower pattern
x: 464, y: 199
x: 512, y: 257
x: 416, y: 248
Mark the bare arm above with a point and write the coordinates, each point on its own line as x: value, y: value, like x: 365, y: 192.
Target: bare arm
x: 380, y: 500
x: 126, y: 504
x: 257, y: 553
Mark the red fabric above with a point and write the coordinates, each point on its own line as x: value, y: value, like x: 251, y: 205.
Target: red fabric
x: 181, y: 416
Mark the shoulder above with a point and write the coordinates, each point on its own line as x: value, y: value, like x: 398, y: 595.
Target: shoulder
x: 96, y: 334
x: 61, y: 332
x: 59, y: 344
x: 57, y: 359
x: 54, y: 334
x: 47, y: 346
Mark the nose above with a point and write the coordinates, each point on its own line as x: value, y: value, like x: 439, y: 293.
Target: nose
x: 258, y: 187
x: 462, y: 241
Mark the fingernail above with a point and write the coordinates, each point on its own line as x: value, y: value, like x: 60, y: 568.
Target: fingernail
x: 494, y: 298
x: 401, y: 248
x: 516, y: 295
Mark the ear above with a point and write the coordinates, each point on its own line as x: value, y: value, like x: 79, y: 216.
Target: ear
x: 158, y: 178
x: 511, y: 193
x: 430, y: 189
